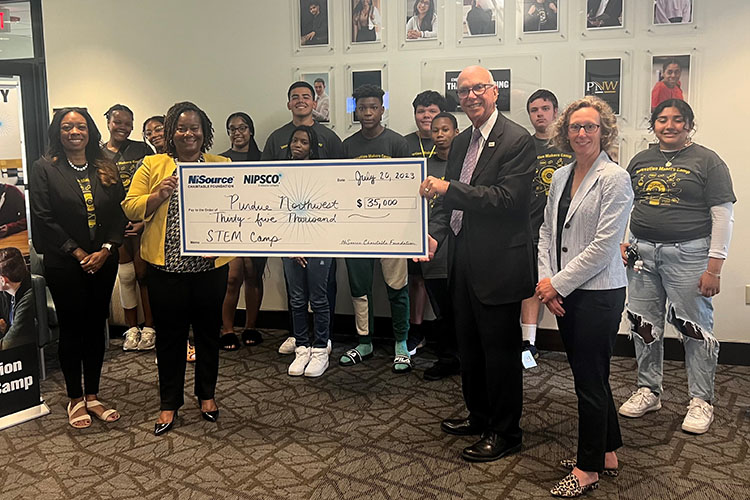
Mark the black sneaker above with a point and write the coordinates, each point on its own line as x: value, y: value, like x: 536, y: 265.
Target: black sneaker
x: 528, y: 346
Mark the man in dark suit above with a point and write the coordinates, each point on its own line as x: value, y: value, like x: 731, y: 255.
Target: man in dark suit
x: 603, y: 14
x: 482, y: 214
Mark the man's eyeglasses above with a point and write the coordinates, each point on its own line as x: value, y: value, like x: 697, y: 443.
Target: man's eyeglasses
x: 589, y: 128
x: 241, y: 128
x: 478, y: 89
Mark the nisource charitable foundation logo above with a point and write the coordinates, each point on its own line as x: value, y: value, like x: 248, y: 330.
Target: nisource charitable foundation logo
x: 262, y: 179
x: 209, y: 181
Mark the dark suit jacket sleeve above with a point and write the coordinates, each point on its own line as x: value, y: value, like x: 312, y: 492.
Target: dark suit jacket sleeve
x: 42, y: 211
x: 511, y: 188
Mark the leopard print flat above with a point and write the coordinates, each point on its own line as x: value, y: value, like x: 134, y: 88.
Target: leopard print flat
x: 570, y: 463
x: 570, y: 487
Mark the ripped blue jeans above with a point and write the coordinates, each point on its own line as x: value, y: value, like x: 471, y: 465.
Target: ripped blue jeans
x: 667, y: 290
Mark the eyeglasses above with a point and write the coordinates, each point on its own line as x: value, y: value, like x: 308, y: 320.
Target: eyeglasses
x: 478, y: 89
x: 156, y: 130
x: 241, y: 128
x: 589, y: 128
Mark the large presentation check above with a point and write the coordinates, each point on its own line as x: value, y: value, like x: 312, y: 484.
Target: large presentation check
x: 332, y: 208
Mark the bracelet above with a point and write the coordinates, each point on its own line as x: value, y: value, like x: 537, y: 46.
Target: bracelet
x: 715, y: 275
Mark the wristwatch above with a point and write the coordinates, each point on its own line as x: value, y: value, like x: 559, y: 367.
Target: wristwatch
x: 108, y: 246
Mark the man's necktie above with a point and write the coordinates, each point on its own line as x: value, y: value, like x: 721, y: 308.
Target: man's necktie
x: 470, y: 163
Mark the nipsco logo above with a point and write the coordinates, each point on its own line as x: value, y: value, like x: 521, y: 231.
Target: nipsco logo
x: 262, y: 179
x: 197, y: 180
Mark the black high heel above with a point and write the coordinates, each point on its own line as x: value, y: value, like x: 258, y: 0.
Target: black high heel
x: 163, y: 428
x: 210, y: 416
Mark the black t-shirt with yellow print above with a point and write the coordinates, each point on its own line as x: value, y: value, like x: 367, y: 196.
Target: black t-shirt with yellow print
x: 548, y: 159
x: 673, y: 203
x: 128, y: 159
x: 388, y: 144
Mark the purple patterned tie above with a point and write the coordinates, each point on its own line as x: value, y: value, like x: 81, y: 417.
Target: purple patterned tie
x: 470, y: 163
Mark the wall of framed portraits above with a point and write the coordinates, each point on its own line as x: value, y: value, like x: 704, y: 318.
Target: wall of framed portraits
x: 229, y: 56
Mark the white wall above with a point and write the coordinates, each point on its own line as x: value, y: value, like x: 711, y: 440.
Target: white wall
x: 239, y: 55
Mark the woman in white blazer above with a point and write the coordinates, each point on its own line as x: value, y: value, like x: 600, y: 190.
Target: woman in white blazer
x: 582, y: 279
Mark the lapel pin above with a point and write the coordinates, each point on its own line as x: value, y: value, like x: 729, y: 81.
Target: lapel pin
x: 491, y: 144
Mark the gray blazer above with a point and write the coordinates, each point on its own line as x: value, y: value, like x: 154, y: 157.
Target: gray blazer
x: 594, y: 227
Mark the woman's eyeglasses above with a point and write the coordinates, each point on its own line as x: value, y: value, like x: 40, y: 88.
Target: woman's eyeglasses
x: 589, y: 128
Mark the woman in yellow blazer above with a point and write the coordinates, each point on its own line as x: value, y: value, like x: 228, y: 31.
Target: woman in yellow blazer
x: 183, y: 291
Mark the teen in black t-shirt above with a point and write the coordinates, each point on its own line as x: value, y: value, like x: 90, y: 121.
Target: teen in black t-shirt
x: 127, y: 155
x: 681, y: 226
x: 301, y: 102
x: 375, y: 141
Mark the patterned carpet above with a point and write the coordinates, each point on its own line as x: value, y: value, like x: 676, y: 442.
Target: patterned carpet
x: 360, y: 432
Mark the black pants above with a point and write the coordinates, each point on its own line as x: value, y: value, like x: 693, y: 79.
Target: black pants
x: 179, y: 300
x: 489, y: 344
x: 82, y: 306
x: 589, y: 331
x: 445, y: 335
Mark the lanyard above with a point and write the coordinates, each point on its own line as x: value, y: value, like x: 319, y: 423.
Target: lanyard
x: 424, y: 153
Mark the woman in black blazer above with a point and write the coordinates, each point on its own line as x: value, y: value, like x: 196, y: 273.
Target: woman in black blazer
x: 77, y: 223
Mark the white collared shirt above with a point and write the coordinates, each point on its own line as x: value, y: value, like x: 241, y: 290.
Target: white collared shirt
x: 485, y: 129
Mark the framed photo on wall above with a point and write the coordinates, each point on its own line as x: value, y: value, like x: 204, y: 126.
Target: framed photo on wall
x: 358, y: 75
x: 313, y: 22
x: 673, y: 12
x: 422, y: 22
x: 603, y: 14
x: 602, y: 79
x: 321, y: 82
x: 670, y: 77
x: 367, y: 21
x: 540, y: 16
x: 481, y: 18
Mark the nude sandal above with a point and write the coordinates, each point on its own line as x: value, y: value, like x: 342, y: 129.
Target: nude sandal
x: 74, y: 420
x: 104, y: 417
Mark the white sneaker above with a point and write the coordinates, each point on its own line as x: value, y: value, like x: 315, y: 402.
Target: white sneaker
x: 318, y: 362
x: 148, y: 339
x: 132, y: 337
x: 699, y: 416
x: 640, y: 403
x: 301, y: 359
x: 329, y: 348
x: 288, y: 346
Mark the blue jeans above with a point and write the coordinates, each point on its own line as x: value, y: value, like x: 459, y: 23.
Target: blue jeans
x: 667, y: 290
x: 309, y: 284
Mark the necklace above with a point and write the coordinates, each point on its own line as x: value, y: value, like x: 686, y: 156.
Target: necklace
x: 668, y: 161
x: 77, y: 168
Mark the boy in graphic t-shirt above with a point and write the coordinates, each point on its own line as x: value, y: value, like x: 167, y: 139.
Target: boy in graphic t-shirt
x: 427, y: 105
x: 376, y: 141
x: 542, y: 109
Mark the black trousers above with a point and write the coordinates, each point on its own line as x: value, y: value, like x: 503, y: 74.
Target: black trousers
x: 445, y: 335
x: 589, y: 331
x: 179, y: 300
x: 82, y: 306
x: 489, y: 345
